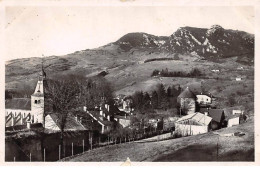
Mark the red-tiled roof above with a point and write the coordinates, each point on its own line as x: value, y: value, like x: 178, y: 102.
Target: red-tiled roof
x: 18, y: 103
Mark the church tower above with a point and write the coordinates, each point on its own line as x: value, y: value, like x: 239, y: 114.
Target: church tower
x: 37, y: 99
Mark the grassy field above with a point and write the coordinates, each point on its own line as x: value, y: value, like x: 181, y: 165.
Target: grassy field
x: 204, y: 147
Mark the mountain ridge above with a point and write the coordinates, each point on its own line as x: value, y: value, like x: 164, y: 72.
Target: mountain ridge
x: 134, y: 48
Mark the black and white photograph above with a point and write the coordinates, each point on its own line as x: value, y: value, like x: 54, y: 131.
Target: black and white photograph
x: 129, y: 83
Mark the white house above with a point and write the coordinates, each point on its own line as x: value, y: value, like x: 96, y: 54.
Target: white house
x: 237, y: 112
x: 203, y: 99
x: 238, y: 78
x: 233, y: 120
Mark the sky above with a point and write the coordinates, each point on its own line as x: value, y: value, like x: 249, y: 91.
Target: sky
x: 35, y: 31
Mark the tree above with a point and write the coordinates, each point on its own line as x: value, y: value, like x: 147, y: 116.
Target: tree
x: 155, y: 72
x: 231, y: 99
x: 138, y: 100
x: 146, y: 101
x: 94, y: 91
x: 162, y: 97
x: 169, y: 92
x: 61, y: 99
x: 154, y: 100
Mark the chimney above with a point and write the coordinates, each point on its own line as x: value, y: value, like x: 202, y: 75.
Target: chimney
x: 101, y: 113
x: 108, y: 107
x: 76, y: 118
x: 28, y: 124
x: 206, y: 113
x: 108, y: 118
x: 84, y: 108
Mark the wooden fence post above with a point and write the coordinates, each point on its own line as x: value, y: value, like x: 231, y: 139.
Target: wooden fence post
x: 59, y: 151
x: 83, y: 146
x: 72, y: 148
x: 64, y: 147
x: 14, y: 158
x: 44, y: 154
x: 30, y: 157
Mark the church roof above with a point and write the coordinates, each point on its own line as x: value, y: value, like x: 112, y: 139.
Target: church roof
x: 187, y: 94
x: 18, y: 103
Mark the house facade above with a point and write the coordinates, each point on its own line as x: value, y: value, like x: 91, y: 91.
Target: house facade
x: 193, y: 124
x: 187, y: 101
x: 203, y: 99
x: 233, y: 120
x: 102, y: 118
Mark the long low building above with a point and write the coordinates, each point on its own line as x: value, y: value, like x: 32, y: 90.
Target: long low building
x: 193, y: 124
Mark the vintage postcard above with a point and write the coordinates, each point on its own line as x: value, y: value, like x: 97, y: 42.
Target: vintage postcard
x: 129, y: 81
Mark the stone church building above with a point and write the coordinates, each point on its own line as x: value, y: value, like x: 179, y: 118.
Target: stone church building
x: 21, y: 111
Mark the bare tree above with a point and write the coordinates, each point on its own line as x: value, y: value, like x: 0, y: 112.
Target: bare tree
x: 61, y: 98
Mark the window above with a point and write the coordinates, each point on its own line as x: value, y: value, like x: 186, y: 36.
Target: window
x: 39, y: 101
x: 35, y: 101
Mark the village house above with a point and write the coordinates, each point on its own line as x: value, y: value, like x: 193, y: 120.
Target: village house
x: 215, y: 70
x: 187, y: 101
x: 238, y: 79
x: 124, y: 121
x: 193, y: 124
x: 102, y: 118
x: 217, y: 116
x: 127, y: 105
x: 204, y: 99
x: 52, y: 123
x: 240, y: 112
x: 233, y: 120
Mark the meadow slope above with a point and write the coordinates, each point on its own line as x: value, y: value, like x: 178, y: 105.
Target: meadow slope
x: 193, y: 148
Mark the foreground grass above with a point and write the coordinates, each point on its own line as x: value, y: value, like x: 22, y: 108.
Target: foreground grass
x: 204, y: 147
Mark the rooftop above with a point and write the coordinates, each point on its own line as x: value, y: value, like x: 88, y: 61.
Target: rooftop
x: 187, y: 94
x: 216, y: 114
x: 18, y: 103
x: 198, y: 117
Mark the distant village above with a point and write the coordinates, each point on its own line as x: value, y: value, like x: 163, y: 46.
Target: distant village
x: 196, y: 115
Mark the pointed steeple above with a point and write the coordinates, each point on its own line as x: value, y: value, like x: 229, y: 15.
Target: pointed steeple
x: 42, y: 74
